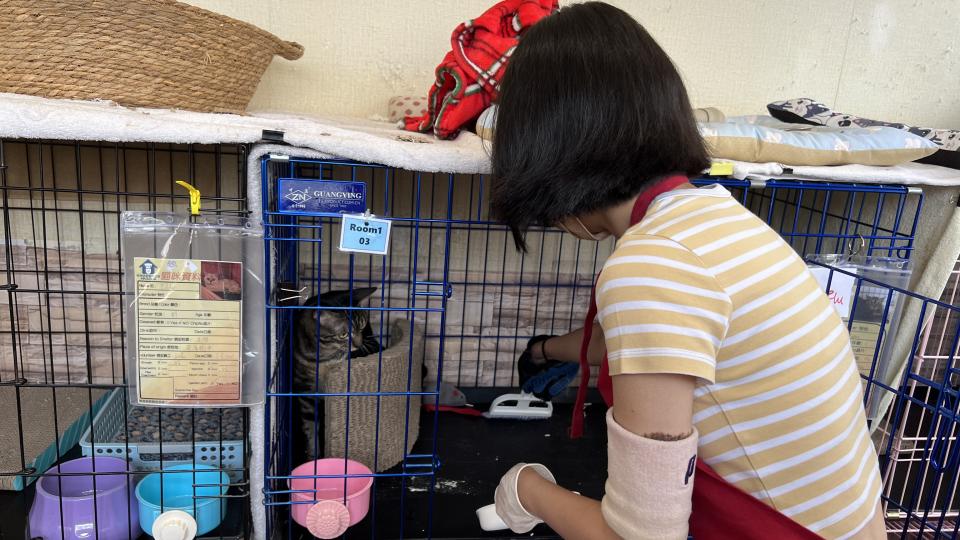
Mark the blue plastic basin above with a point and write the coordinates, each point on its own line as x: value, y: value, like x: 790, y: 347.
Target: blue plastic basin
x: 197, y: 491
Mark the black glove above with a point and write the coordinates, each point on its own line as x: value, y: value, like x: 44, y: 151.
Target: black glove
x: 546, y: 379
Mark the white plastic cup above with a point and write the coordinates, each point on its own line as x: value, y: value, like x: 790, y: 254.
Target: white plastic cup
x: 489, y: 520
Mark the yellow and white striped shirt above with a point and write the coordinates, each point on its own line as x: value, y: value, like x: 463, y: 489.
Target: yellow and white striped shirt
x: 703, y: 287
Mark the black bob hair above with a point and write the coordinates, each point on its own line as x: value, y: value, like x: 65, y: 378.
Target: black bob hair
x: 591, y: 110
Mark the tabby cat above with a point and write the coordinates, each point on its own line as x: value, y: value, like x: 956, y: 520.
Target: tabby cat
x: 322, y: 338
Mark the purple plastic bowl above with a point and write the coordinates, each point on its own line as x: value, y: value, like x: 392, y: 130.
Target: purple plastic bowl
x: 64, y: 505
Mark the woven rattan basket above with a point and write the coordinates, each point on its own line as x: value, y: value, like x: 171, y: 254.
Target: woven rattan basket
x: 143, y: 53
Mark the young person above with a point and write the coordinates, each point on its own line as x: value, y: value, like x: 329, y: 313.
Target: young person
x: 718, y: 341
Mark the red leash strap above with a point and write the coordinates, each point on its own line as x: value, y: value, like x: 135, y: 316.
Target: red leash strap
x: 466, y: 411
x: 605, y: 382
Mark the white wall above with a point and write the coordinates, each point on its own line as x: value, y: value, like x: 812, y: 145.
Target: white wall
x: 885, y: 59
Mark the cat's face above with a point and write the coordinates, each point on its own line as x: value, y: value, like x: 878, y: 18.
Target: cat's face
x: 334, y: 327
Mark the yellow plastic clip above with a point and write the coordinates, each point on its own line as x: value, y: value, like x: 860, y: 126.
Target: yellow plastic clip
x: 194, y: 197
x: 721, y: 168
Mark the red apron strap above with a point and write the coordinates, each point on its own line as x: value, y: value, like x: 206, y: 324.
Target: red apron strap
x: 605, y: 382
x: 576, y: 423
x: 722, y: 512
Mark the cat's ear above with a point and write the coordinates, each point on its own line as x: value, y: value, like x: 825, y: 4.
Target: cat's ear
x: 361, y: 294
x: 335, y: 298
x: 342, y: 298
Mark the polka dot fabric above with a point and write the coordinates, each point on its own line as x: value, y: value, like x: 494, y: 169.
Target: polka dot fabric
x: 403, y: 106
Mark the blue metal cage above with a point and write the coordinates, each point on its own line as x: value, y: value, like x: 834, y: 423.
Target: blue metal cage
x: 301, y: 248
x: 454, y: 271
x: 916, y: 439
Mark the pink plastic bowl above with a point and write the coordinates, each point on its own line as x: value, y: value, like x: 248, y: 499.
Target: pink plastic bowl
x: 319, y: 505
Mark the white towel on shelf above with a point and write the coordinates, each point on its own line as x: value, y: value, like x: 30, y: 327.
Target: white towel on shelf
x: 259, y: 442
x: 910, y: 174
x: 30, y: 117
x: 368, y: 141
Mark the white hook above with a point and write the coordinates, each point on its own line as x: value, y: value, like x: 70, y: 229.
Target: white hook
x: 850, y: 246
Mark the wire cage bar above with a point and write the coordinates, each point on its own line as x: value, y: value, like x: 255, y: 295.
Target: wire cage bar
x: 916, y: 437
x: 503, y: 297
x: 62, y: 360
x: 454, y: 302
x: 909, y: 470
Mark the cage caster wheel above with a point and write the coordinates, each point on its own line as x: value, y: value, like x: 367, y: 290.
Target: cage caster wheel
x: 174, y: 525
x: 328, y: 519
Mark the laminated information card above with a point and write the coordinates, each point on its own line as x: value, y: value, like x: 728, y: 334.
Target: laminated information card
x: 189, y: 327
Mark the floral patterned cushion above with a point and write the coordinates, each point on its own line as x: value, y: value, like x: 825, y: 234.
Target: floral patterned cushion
x: 809, y: 111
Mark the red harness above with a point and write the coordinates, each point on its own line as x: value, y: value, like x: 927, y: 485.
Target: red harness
x: 720, y: 509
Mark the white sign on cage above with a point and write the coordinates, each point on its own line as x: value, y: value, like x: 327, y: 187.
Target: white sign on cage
x: 364, y: 234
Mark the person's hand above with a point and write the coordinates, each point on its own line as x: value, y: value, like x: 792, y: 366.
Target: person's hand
x: 541, y: 376
x: 507, y: 498
x: 553, y: 378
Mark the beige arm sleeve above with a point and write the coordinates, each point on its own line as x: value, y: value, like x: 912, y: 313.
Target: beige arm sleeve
x: 649, y: 484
